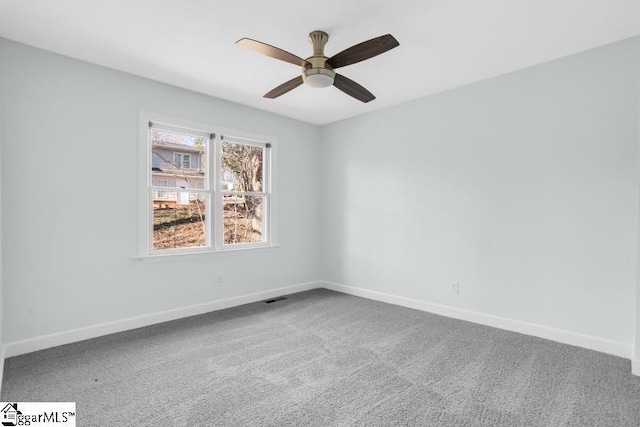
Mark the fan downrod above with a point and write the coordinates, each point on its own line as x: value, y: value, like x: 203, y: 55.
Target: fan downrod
x: 318, y: 74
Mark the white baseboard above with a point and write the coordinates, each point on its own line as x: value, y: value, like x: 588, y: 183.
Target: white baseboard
x: 17, y: 348
x: 560, y: 335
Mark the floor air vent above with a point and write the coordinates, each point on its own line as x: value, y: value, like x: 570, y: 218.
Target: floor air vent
x: 269, y: 301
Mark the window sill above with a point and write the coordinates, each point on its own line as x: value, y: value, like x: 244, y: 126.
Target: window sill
x: 203, y: 255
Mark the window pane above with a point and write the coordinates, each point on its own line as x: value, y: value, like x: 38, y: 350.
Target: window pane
x: 179, y: 221
x: 243, y: 219
x: 178, y: 155
x: 241, y: 167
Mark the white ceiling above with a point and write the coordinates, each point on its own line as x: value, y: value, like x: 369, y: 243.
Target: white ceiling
x: 443, y: 43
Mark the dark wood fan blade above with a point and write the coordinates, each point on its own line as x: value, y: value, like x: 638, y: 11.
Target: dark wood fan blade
x: 352, y: 88
x: 362, y: 51
x: 272, y: 51
x: 284, y: 88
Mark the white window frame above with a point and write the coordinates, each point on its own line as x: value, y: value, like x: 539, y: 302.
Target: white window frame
x: 235, y: 138
x: 214, y: 227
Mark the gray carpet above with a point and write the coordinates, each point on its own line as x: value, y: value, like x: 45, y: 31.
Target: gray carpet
x: 321, y: 358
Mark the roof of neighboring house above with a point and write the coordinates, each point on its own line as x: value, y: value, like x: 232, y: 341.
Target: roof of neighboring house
x: 177, y: 172
x: 180, y: 147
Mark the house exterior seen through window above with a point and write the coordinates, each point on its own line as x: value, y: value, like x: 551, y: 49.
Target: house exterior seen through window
x: 182, y: 160
x: 207, y: 190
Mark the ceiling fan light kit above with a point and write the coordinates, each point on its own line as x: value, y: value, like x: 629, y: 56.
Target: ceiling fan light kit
x: 318, y: 77
x: 317, y: 70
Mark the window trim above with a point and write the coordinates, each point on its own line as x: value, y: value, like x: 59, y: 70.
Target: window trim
x: 215, y: 224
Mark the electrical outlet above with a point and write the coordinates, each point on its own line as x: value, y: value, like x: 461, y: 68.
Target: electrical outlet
x: 219, y: 281
x: 455, y: 287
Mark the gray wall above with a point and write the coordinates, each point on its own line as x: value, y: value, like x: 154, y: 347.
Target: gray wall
x: 637, y: 312
x: 70, y: 201
x: 522, y: 189
x: 2, y: 299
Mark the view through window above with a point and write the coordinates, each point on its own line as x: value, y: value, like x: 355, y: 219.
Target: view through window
x: 193, y: 206
x: 242, y: 183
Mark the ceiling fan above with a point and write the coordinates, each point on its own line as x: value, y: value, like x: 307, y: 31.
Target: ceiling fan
x: 317, y: 70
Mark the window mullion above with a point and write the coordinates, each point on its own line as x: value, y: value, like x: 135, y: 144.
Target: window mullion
x: 266, y: 169
x: 218, y: 204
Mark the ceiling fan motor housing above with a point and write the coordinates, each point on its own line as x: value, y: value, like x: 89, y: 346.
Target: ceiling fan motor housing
x: 319, y: 74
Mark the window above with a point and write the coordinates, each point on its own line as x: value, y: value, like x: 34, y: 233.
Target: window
x: 182, y: 160
x: 204, y: 189
x: 159, y: 194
